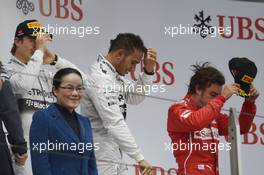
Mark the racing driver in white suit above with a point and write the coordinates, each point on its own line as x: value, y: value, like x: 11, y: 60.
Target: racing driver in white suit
x: 31, y: 81
x: 107, y: 93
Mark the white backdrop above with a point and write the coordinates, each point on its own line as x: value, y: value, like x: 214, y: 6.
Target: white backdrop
x: 150, y: 19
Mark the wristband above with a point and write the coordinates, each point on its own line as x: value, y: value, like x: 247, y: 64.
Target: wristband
x: 148, y: 73
x: 54, y: 61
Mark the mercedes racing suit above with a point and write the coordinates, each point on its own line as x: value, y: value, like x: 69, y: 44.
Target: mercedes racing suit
x: 199, y: 129
x: 105, y: 103
x: 32, y: 85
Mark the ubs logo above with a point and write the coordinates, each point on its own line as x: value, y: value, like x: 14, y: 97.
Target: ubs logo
x: 67, y: 9
x: 25, y: 6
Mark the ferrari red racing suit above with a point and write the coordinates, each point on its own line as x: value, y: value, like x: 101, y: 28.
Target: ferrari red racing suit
x: 195, y: 133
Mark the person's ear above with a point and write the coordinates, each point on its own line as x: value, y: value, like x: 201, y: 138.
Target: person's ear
x: 198, y: 91
x: 120, y: 55
x: 54, y: 91
x: 17, y: 41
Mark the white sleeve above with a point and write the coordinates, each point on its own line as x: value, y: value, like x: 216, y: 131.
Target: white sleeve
x: 106, y: 104
x: 137, y: 91
x: 23, y: 80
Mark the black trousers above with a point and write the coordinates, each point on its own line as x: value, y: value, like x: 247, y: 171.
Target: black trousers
x: 5, y: 158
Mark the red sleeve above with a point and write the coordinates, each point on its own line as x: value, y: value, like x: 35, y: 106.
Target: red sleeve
x: 182, y: 119
x: 222, y: 121
x: 246, y: 117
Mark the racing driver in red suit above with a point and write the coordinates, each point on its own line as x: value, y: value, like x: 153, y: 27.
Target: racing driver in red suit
x: 195, y: 124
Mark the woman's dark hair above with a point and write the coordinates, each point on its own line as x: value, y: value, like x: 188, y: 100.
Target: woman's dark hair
x: 128, y: 42
x: 57, y: 79
x: 204, y: 76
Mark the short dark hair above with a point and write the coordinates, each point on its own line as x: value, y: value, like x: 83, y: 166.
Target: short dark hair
x: 128, y: 42
x: 14, y: 47
x: 204, y: 76
x: 57, y: 78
